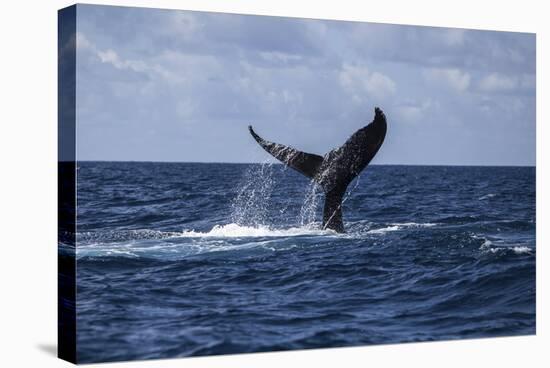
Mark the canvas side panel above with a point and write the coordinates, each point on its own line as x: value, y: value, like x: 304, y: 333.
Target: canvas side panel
x: 66, y: 322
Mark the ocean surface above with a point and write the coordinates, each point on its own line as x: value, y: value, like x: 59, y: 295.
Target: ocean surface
x: 183, y: 259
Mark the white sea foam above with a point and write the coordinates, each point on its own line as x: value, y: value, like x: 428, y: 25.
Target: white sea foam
x: 229, y: 237
x: 516, y: 250
x: 522, y: 249
x: 384, y: 230
x: 415, y: 224
x: 487, y: 196
x: 486, y: 244
x: 400, y: 226
x: 496, y: 246
x: 236, y: 231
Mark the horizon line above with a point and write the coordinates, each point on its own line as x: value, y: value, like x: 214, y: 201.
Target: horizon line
x: 279, y: 163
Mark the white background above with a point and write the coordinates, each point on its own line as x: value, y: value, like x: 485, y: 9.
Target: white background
x: 28, y: 147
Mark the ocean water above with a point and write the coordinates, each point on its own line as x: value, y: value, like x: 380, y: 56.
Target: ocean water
x: 183, y: 259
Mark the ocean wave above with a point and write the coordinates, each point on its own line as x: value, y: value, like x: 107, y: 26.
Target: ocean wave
x: 152, y: 244
x: 168, y: 245
x: 400, y: 226
x: 145, y: 243
x: 487, y: 196
x: 355, y: 230
x: 498, y: 246
x: 517, y: 249
x: 522, y: 249
x: 100, y: 237
x: 237, y: 231
x: 144, y: 274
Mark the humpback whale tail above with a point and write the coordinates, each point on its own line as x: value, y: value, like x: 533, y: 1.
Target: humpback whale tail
x: 336, y: 170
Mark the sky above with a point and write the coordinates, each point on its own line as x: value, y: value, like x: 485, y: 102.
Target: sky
x: 172, y: 85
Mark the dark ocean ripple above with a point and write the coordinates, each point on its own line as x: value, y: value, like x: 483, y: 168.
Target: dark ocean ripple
x: 178, y: 259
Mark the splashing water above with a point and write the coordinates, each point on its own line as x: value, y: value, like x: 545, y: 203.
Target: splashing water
x: 250, y: 206
x: 308, y: 211
x: 253, y: 204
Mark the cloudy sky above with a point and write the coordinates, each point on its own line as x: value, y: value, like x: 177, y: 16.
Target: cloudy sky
x: 161, y: 85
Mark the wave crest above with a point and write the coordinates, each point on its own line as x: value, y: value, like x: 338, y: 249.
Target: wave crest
x: 498, y: 246
x: 400, y: 226
x: 237, y: 231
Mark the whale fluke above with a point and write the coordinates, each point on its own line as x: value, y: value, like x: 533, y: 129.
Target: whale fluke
x: 307, y: 164
x: 336, y: 170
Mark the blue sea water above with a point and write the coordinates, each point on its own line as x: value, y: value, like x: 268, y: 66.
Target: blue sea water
x: 184, y: 259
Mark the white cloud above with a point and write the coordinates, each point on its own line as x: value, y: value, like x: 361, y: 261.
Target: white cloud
x: 380, y: 85
x: 451, y: 77
x: 496, y: 82
x: 414, y: 111
x: 82, y: 42
x: 178, y: 70
x: 111, y: 57
x: 279, y: 57
x: 359, y: 81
